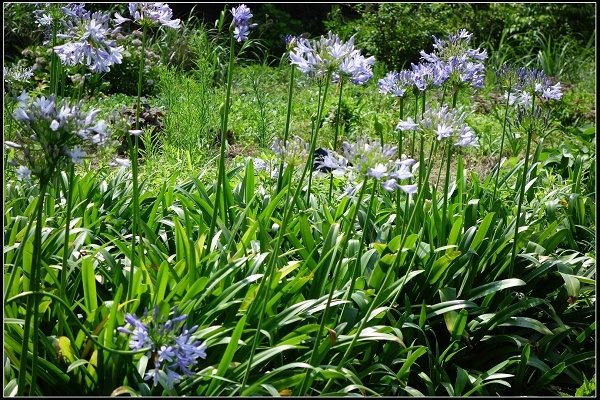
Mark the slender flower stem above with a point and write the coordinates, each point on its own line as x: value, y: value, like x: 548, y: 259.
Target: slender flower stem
x: 133, y: 151
x: 455, y: 97
x: 54, y: 60
x: 335, y: 135
x: 400, y: 144
x: 421, y: 144
x: 33, y: 301
x: 446, y: 189
x: 501, y: 144
x: 66, y: 248
x: 522, y: 191
x: 443, y: 96
x: 394, y: 267
x: 315, y: 133
x: 447, y: 181
x: 400, y: 131
x: 439, y: 174
x: 288, y: 118
x: 221, y: 174
x: 419, y: 203
x: 336, y: 270
x: 414, y: 133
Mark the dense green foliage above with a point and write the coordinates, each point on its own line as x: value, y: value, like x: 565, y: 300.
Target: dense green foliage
x: 395, y: 32
x: 296, y: 291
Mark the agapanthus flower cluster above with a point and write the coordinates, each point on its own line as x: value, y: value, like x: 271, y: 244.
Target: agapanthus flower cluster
x: 52, y: 134
x: 366, y: 159
x: 396, y: 83
x: 294, y: 152
x: 89, y: 39
x: 528, y: 83
x: 453, y: 60
x: 17, y: 73
x: 16, y: 77
x: 171, y: 347
x: 151, y: 15
x: 444, y: 123
x: 241, y: 22
x: 331, y: 55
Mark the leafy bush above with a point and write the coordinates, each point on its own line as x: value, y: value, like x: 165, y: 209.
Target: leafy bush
x: 395, y: 33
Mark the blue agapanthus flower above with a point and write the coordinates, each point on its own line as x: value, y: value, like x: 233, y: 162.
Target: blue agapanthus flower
x: 150, y: 14
x: 241, y: 22
x: 89, y: 40
x: 330, y: 54
x: 171, y: 347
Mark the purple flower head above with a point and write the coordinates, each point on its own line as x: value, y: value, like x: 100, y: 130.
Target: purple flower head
x: 371, y: 160
x: 356, y: 67
x: 172, y: 347
x: 241, y: 15
x: 241, y: 22
x: 422, y: 75
x: 529, y: 83
x: 89, y: 40
x: 467, y: 138
x: 52, y: 134
x: 294, y: 152
x: 290, y: 41
x: 151, y: 14
x: 77, y: 155
x: 390, y: 185
x: 393, y: 83
x: 444, y: 123
x: 17, y: 74
x: 331, y: 55
x: 408, y: 125
x: 453, y: 60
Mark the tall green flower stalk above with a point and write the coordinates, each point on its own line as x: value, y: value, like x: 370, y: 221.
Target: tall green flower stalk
x: 239, y: 30
x: 422, y: 142
x: 400, y: 137
x: 336, y: 132
x: 63, y: 325
x: 509, y: 85
x: 221, y: 204
x: 421, y: 182
x: 261, y: 300
x: 146, y: 15
x: 449, y: 147
x: 323, y: 87
x: 523, y: 183
x: 133, y: 152
x: 288, y: 118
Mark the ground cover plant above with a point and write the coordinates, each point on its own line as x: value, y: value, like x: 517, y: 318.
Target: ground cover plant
x: 169, y: 229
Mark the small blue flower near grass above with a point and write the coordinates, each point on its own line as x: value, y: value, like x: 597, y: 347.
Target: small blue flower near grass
x: 172, y: 349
